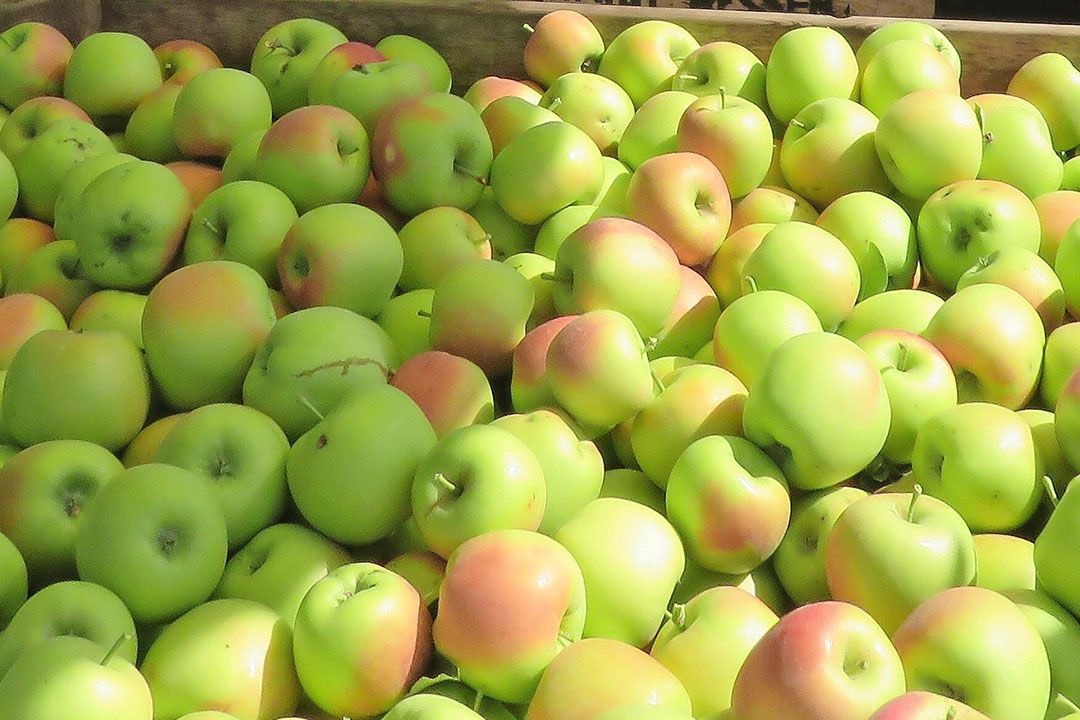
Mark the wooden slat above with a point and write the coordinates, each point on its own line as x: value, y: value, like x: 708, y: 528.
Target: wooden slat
x: 836, y: 8
x: 74, y: 18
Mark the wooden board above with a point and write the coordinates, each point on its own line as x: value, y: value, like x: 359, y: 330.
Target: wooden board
x: 836, y: 8
x: 75, y: 18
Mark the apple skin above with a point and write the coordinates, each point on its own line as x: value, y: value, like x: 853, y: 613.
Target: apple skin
x: 529, y: 387
x: 645, y: 57
x: 927, y: 140
x: 806, y: 65
x: 654, y: 128
x: 109, y: 74
x: 425, y: 571
x: 148, y: 133
x: 334, y: 470
x: 451, y: 391
x: 69, y: 677
x: 201, y: 329
x: 15, y: 580
x: 1067, y: 265
x: 369, y: 89
x: 286, y: 56
x: 1070, y: 179
x: 507, y: 117
x: 732, y: 133
x: 922, y: 705
x: 9, y: 188
x: 597, y: 675
x: 203, y: 124
x: 431, y: 707
x: 723, y: 68
x: 561, y: 42
x: 592, y: 103
x: 403, y: 323
x: 19, y: 237
x: 631, y: 558
x: 500, y: 654
x: 1004, y: 562
x: 724, y: 272
x: 487, y: 89
x: 437, y: 240
x: 633, y: 485
x: 1017, y: 147
x: 977, y: 645
x: 359, y: 656
x: 1061, y: 359
x: 29, y: 119
x: 1060, y: 632
x: 991, y: 477
x: 142, y: 448
x: 1026, y: 273
x: 880, y: 235
x: 994, y: 341
x: 770, y: 204
x: 22, y: 316
x: 1051, y: 83
x: 1055, y: 551
x: 729, y: 502
x: 817, y: 641
x: 247, y: 668
x: 902, y: 67
x: 689, y: 328
x: 240, y: 162
x: 34, y: 61
x: 335, y: 63
x: 1057, y: 213
x: 74, y: 184
x: 909, y: 310
x: 52, y: 271
x: 182, y: 60
x: 707, y: 641
x: 907, y: 30
x: 198, y: 178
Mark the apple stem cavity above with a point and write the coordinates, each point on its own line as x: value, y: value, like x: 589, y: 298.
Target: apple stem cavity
x: 916, y: 493
x: 119, y: 643
x: 423, y: 313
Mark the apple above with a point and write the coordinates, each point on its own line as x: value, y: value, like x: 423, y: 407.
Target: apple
x: 556, y: 229
x: 240, y: 162
x: 9, y: 188
x: 430, y: 151
x: 435, y: 707
x: 927, y: 140
x: 350, y: 475
x: 437, y: 240
x: 689, y: 328
x: 1057, y: 212
x: 286, y: 56
x: 631, y: 558
x: 1054, y: 551
x: 723, y: 68
x: 654, y: 128
x: 645, y: 57
x: 879, y: 234
x: 976, y: 646
x: 143, y: 447
x: 368, y: 89
x: 561, y: 42
x: 198, y: 178
x: 1070, y: 179
x: 53, y: 272
x: 65, y: 221
x: 407, y: 47
x: 508, y: 236
x: 724, y: 272
x: 181, y: 60
x: 1017, y: 147
x: 907, y: 30
x: 1004, y: 562
x: 425, y: 571
x: 451, y: 391
x: 732, y: 133
x: 22, y: 316
x: 823, y: 660
x: 902, y: 67
x: 1026, y: 273
x: 33, y: 63
x: 488, y: 89
x: 529, y: 387
x: 202, y: 327
x: 33, y: 116
x: 406, y: 319
x: 1051, y: 83
x: 110, y: 73
x: 362, y: 638
x: 1060, y: 360
x: 206, y: 118
x: 15, y: 580
x: 538, y: 270
x: 509, y: 116
x: 592, y: 103
x: 148, y: 133
x: 919, y: 705
x: 770, y: 204
x: 991, y: 477
x: 909, y: 310
x: 1066, y: 265
x: 341, y: 59
x: 806, y: 65
x: 19, y: 237
x: 43, y: 163
x: 1060, y: 632
x: 633, y: 485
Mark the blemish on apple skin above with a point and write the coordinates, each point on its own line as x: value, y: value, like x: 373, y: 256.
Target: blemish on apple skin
x: 321, y: 442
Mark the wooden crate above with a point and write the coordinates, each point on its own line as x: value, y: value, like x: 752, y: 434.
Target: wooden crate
x: 487, y: 38
x: 836, y: 8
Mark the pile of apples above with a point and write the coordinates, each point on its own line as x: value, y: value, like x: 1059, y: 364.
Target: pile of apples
x: 668, y: 384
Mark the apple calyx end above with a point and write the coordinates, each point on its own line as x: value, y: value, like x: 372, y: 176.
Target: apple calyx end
x: 115, y: 648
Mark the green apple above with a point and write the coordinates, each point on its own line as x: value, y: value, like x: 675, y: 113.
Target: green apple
x: 14, y: 580
x: 150, y: 527
x: 29, y: 119
x: 1067, y: 265
x: 979, y: 648
x: 991, y: 476
x: 902, y: 67
x: 286, y: 56
x: 33, y: 62
x: 538, y: 270
x: 806, y: 65
x: 723, y: 68
x: 1017, y: 147
x: 921, y: 704
x: 42, y: 165
x: 148, y: 133
x: 476, y: 479
x: 1058, y: 211
x: 633, y: 485
x: 725, y: 271
x: 1070, y: 179
x: 368, y: 89
x: 562, y: 41
x: 407, y: 47
x: 733, y: 133
x: 246, y: 662
x: 450, y: 687
x: 489, y: 88
x: 879, y: 234
x: 181, y: 60
x: 406, y: 320
x: 9, y: 188
x: 645, y: 57
x: 19, y: 237
x: 654, y: 128
x: 529, y: 386
x: 689, y: 328
x: 1051, y: 83
x: 53, y: 273
x: 334, y: 64
x: 507, y: 117
x: 909, y: 310
x: 612, y: 195
x: 451, y: 391
x: 22, y: 316
x: 207, y: 118
x: 1025, y: 272
x: 362, y: 638
x: 110, y: 73
x: 425, y: 571
x: 75, y: 182
x: 1061, y: 359
x: 631, y: 558
x: 1055, y: 551
x: 437, y: 240
x: 927, y: 140
x: 1060, y: 632
x: 352, y: 484
x: 240, y: 162
x: 431, y: 707
x: 770, y: 204
x: 1004, y: 562
x: 508, y: 236
x: 907, y: 30
x: 593, y: 103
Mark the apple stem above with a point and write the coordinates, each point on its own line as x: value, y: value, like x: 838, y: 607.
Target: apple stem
x: 656, y: 379
x: 565, y: 640
x: 115, y: 648
x: 798, y: 123
x: 916, y: 493
x: 478, y: 701
x: 307, y: 403
x: 529, y: 28
x: 211, y: 226
x: 442, y: 481
x: 471, y: 175
x: 1051, y: 491
x: 950, y: 714
x: 555, y: 102
x: 423, y: 313
x: 723, y: 99
x: 752, y: 283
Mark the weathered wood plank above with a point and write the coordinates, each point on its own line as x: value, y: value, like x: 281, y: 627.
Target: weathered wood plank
x: 836, y: 8
x: 74, y: 18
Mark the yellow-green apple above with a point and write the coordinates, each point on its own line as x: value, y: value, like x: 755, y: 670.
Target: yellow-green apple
x: 842, y: 667
x: 537, y: 269
x: 44, y: 162
x: 509, y: 116
x: 902, y: 67
x: 508, y: 236
x: 72, y: 608
x: 312, y: 359
x: 598, y: 370
x: 770, y: 204
x: 873, y: 550
x: 1060, y: 360
x: 806, y: 65
x: 216, y: 108
x: 1017, y: 148
x: 723, y: 68
x: 437, y: 240
x: 451, y: 391
x: 612, y: 194
x: 341, y: 59
x: 198, y: 178
x: 202, y: 327
x: 880, y: 235
x: 340, y: 254
x: 362, y: 638
x: 690, y: 325
x: 1057, y: 213
x: 22, y: 316
x: 1055, y: 551
x: 407, y: 47
x: 994, y: 341
x: 729, y: 502
x: 654, y: 128
x: 431, y: 707
x: 598, y: 675
x: 9, y: 188
x: 89, y: 386
x: 707, y: 640
x: 554, y: 231
x: 907, y: 30
x: 809, y: 263
x: 246, y: 667
x: 752, y: 327
x: 110, y: 73
x: 545, y: 169
x: 406, y: 319
x: 1070, y: 179
x: 72, y: 677
x: 1067, y: 267
x: 128, y: 224
x: 316, y: 155
x: 453, y: 688
x: 240, y: 162
x: 1004, y: 562
x: 65, y: 225
x: 631, y: 558
x: 487, y: 89
x: 967, y: 220
x: 906, y: 309
x: 32, y: 63
x: 696, y: 401
x: 919, y: 382
x: 45, y: 489
x: 477, y: 479
x: 286, y: 56
x: 992, y: 477
x: 181, y: 60
x: 31, y: 118
x: 1060, y: 632
x: 645, y: 57
x: 53, y: 272
x: 500, y: 654
x: 430, y: 151
x: 148, y: 133
x: 1051, y: 83
x: 828, y: 151
x: 927, y: 140
x: 620, y: 265
x: 529, y: 387
x: 732, y: 133
x: 683, y: 197
x: 1025, y: 272
x: 15, y: 580
x: 573, y: 467
x: 143, y: 447
x: 976, y: 646
x: 425, y: 571
x: 561, y: 42
x: 350, y: 475
x: 19, y: 237
x: 922, y: 705
x: 725, y: 271
x: 483, y: 327
x: 633, y: 485
x: 369, y: 89
x: 594, y: 104
x: 150, y: 527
